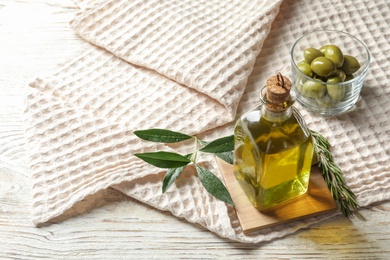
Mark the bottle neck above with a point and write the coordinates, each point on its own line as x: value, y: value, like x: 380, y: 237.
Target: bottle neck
x: 276, y: 112
x: 276, y: 116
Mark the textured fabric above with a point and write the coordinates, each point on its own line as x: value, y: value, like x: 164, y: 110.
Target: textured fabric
x: 191, y: 66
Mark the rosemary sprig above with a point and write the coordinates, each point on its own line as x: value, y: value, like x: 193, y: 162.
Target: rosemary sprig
x: 333, y: 176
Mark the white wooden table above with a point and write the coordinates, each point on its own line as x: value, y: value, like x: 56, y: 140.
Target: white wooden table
x: 34, y: 37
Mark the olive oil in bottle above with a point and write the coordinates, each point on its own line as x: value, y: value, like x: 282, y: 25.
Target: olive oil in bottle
x: 273, y: 148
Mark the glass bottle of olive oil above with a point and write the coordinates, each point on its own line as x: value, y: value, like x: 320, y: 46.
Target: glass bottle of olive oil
x: 273, y: 148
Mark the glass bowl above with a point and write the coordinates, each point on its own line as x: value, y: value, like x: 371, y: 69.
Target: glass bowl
x: 312, y: 91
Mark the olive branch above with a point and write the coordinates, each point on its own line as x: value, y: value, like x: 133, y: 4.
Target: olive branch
x: 176, y: 163
x: 223, y: 148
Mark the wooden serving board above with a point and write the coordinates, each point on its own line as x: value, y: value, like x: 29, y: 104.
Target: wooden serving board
x: 317, y: 200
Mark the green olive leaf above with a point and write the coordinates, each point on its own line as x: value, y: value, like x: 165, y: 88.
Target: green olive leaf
x: 221, y: 145
x: 213, y: 185
x: 161, y: 135
x: 203, y: 142
x: 170, y: 177
x: 226, y: 156
x: 164, y: 159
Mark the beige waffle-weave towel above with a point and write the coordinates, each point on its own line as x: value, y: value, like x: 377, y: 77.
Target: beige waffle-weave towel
x: 184, y: 65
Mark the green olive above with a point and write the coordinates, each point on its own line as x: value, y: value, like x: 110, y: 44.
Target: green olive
x: 333, y: 80
x: 334, y: 53
x: 302, y: 62
x: 323, y: 66
x: 323, y: 49
x: 311, y: 53
x: 313, y: 89
x: 336, y: 92
x: 350, y: 65
x: 306, y: 69
x: 341, y: 74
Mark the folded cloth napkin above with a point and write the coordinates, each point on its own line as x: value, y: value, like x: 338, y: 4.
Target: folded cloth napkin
x: 189, y: 66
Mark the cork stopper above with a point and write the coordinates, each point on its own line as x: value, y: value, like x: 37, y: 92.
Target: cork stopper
x: 278, y: 89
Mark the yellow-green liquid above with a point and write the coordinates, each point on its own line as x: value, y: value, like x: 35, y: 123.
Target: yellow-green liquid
x: 272, y: 159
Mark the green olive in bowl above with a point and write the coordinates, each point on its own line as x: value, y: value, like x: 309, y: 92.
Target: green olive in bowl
x: 313, y: 89
x: 341, y: 74
x: 323, y: 49
x: 336, y: 92
x: 305, y: 68
x: 350, y: 65
x: 334, y: 53
x: 311, y: 53
x: 323, y: 66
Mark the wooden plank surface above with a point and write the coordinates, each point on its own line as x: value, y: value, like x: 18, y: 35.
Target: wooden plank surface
x: 34, y: 37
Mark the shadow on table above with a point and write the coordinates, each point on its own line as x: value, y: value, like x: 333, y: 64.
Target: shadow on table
x: 91, y: 202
